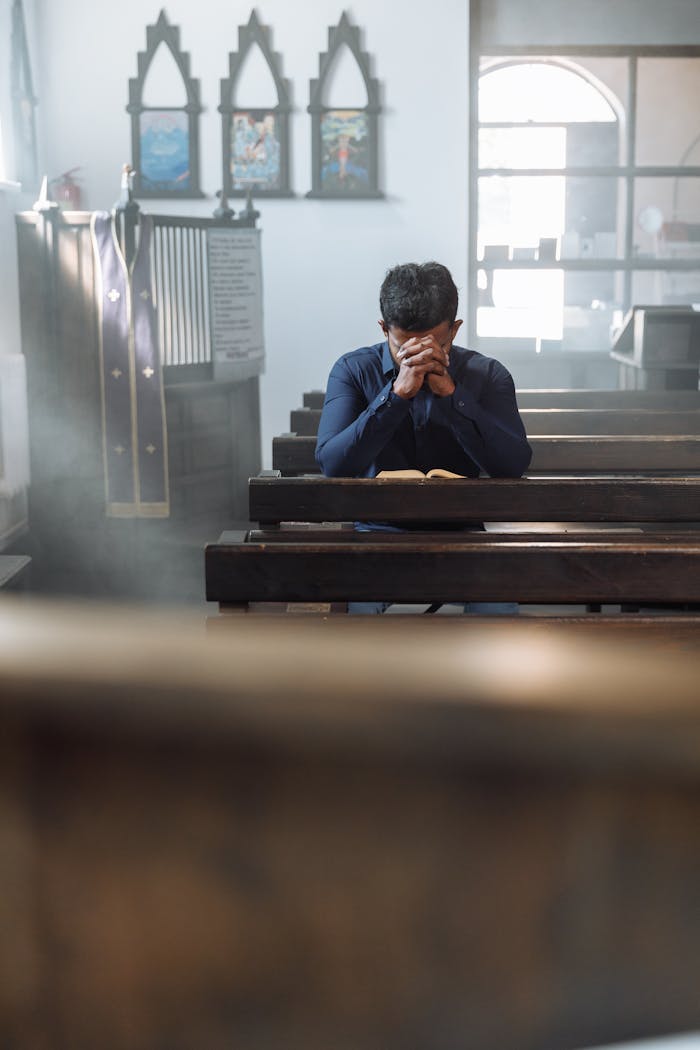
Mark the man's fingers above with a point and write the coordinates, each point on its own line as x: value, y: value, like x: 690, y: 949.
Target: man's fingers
x: 424, y: 357
x: 420, y: 371
x: 409, y: 349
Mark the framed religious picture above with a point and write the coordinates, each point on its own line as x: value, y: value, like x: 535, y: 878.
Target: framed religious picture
x: 255, y: 154
x: 344, y: 140
x: 165, y: 137
x: 344, y: 151
x: 255, y: 139
x: 164, y: 151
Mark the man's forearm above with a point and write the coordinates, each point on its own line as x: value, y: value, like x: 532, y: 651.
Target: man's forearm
x: 349, y: 451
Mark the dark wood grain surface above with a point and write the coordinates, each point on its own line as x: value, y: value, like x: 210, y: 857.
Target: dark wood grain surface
x: 383, y: 836
x: 457, y: 569
x: 304, y: 421
x: 469, y: 500
x: 582, y: 398
x: 566, y: 454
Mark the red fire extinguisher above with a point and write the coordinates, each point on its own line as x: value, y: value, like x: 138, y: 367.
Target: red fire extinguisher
x: 67, y: 191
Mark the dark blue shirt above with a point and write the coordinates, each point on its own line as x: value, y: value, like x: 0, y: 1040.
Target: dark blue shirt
x: 366, y: 428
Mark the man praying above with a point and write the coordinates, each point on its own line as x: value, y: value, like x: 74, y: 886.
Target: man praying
x: 416, y: 401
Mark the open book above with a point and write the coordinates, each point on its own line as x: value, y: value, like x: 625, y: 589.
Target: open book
x: 436, y: 472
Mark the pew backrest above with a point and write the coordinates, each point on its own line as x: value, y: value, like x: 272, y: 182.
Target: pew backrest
x: 469, y: 500
x: 569, y: 454
x: 669, y: 400
x: 305, y: 421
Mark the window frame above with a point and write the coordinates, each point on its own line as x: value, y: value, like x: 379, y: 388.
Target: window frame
x: 627, y: 264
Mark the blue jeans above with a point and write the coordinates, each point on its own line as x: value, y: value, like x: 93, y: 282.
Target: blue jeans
x: 471, y: 608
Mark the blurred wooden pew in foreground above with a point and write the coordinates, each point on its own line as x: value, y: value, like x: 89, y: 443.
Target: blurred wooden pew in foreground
x: 358, y: 835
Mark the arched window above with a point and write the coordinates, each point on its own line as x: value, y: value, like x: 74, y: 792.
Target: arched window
x: 549, y: 141
x: 540, y: 93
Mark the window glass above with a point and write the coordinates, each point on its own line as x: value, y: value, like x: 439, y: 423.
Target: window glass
x: 666, y: 287
x: 667, y: 217
x: 582, y: 214
x: 541, y: 92
x: 522, y: 147
x: 667, y: 131
x: 561, y: 256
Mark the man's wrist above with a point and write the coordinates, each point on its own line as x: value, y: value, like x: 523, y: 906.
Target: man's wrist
x: 442, y: 386
x: 397, y: 393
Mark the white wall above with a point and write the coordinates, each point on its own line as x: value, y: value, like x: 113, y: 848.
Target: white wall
x: 323, y: 260
x: 10, y: 199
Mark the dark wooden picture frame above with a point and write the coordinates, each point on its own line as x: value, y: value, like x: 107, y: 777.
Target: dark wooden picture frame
x: 159, y: 172
x: 255, y: 139
x: 344, y: 140
x: 23, y: 102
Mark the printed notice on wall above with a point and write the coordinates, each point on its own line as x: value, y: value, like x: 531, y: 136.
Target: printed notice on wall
x: 235, y: 302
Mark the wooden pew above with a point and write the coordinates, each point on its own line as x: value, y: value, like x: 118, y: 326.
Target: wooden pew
x: 14, y: 571
x: 666, y: 400
x: 549, y: 565
x: 487, y: 842
x: 313, y: 398
x: 669, y: 400
x: 608, y: 454
x: 273, y: 499
x: 305, y: 421
x: 640, y: 570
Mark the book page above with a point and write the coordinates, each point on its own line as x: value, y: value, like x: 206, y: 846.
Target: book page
x: 436, y: 472
x: 439, y: 472
x: 401, y: 474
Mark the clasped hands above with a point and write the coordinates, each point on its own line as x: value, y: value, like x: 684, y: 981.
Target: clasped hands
x: 423, y: 361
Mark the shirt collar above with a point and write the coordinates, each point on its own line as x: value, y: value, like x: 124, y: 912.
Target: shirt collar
x: 388, y: 363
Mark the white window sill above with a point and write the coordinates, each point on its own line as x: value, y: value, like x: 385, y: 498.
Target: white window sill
x: 6, y: 186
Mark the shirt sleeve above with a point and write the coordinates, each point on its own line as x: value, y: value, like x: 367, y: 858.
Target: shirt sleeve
x: 483, y: 416
x: 351, y: 432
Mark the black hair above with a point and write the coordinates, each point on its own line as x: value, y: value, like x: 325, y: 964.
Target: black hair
x: 418, y: 296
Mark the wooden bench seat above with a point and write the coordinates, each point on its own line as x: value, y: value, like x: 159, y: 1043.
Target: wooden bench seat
x: 305, y: 421
x: 679, y: 454
x: 488, y: 841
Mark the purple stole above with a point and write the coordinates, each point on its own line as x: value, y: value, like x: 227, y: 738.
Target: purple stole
x: 134, y: 437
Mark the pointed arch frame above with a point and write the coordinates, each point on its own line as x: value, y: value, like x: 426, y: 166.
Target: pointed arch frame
x: 162, y: 32
x: 248, y: 36
x: 23, y: 101
x: 559, y: 62
x: 344, y: 33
